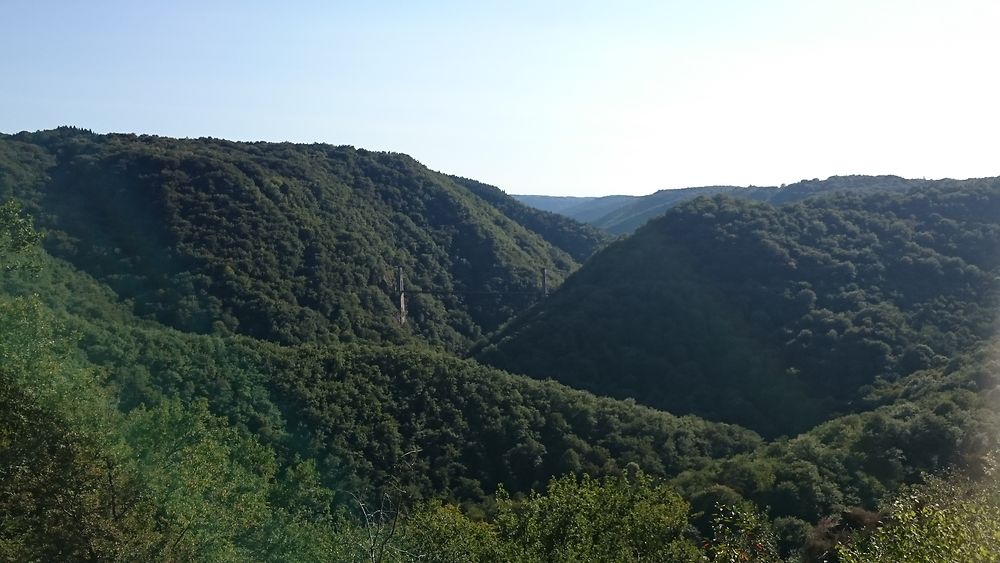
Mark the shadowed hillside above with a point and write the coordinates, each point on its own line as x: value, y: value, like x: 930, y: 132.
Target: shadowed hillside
x: 773, y: 317
x: 287, y: 242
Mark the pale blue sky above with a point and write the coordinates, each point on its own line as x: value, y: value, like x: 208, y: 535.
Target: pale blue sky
x: 568, y: 98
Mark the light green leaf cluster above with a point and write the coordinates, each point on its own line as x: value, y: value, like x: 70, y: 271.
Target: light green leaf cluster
x: 16, y: 237
x: 951, y: 518
x: 614, y: 519
x: 743, y: 534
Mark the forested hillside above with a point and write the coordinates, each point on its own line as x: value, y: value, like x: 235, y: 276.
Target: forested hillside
x: 357, y: 409
x: 340, y: 421
x: 577, y: 239
x: 772, y: 317
x: 289, y: 243
x: 200, y: 360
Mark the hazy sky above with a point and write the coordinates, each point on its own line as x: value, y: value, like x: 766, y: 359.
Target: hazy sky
x: 566, y: 98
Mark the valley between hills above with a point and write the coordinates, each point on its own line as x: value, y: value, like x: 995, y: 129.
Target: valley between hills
x: 203, y: 358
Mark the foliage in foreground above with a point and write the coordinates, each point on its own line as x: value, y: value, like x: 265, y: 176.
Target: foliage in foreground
x: 949, y: 518
x: 614, y: 519
x: 81, y: 481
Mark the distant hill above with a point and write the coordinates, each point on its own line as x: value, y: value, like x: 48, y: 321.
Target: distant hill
x: 287, y: 242
x: 634, y: 213
x: 619, y: 215
x: 773, y: 317
x: 578, y: 239
x: 552, y: 203
x: 585, y: 209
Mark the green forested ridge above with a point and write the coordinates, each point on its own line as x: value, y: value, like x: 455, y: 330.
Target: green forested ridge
x: 773, y: 317
x: 123, y: 438
x: 291, y: 243
x: 624, y: 214
x: 632, y: 214
x: 359, y: 408
x: 577, y: 239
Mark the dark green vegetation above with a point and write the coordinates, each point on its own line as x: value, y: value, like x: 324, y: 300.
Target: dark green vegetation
x: 620, y: 215
x: 577, y: 239
x: 289, y: 243
x: 201, y: 362
x: 874, y: 312
x: 358, y: 409
x: 774, y: 318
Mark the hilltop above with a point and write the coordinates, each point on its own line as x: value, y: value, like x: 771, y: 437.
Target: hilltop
x: 290, y: 243
x: 620, y: 215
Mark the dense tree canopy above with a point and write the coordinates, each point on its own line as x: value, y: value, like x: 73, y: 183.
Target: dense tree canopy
x: 200, y: 361
x: 290, y: 243
x: 358, y: 409
x: 772, y: 317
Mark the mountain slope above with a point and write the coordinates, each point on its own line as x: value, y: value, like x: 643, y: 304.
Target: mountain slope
x: 578, y: 239
x: 774, y: 318
x: 285, y: 242
x: 358, y: 409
